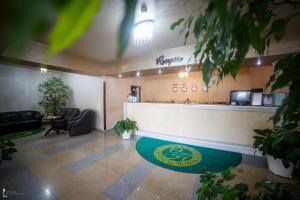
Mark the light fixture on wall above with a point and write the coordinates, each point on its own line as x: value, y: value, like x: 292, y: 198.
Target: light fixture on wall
x: 120, y: 75
x: 159, y: 71
x: 138, y: 73
x: 143, y: 29
x: 44, y: 71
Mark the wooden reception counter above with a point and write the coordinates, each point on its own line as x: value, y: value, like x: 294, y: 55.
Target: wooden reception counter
x: 216, y: 126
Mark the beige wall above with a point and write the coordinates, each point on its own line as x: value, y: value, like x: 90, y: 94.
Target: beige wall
x: 159, y: 88
x: 116, y: 94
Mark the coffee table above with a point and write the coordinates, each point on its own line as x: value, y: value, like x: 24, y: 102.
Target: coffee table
x: 51, y: 120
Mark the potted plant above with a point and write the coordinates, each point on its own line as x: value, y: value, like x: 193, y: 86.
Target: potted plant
x: 55, y: 95
x: 281, y: 145
x: 224, y: 186
x: 125, y: 128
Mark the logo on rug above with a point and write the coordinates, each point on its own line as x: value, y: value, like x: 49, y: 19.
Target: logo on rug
x: 177, y: 155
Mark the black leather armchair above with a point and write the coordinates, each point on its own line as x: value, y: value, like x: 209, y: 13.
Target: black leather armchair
x: 83, y: 124
x: 65, y: 115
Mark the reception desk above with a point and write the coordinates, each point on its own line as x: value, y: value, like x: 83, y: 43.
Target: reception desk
x: 217, y: 126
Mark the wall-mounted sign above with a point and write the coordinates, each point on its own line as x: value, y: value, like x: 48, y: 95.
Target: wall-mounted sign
x: 161, y: 60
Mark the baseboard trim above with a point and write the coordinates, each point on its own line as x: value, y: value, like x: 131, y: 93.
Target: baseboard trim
x: 244, y: 149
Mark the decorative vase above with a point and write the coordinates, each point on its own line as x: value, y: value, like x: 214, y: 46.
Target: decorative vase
x: 276, y: 166
x: 126, y: 135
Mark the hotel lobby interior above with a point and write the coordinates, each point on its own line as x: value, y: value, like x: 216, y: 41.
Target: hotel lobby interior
x: 150, y: 99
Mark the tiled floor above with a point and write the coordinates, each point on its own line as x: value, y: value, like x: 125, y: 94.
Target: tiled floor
x: 100, y: 166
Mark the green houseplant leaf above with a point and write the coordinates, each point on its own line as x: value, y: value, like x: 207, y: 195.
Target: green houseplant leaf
x: 278, y: 27
x: 177, y: 23
x: 215, y: 186
x: 74, y: 18
x: 126, y: 26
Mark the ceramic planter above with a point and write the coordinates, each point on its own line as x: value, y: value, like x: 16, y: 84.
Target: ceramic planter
x: 126, y: 135
x: 276, y: 166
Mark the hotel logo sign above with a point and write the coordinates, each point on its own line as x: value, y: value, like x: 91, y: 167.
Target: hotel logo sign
x: 161, y: 60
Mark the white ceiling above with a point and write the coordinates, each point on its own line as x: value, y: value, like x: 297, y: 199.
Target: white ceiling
x: 100, y: 41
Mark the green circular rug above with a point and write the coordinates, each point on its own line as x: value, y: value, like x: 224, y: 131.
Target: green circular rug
x: 20, y: 134
x: 185, y: 158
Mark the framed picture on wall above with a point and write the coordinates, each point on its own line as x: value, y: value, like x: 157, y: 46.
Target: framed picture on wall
x: 136, y: 91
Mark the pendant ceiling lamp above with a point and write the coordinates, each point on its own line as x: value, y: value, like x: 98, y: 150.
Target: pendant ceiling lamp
x: 143, y: 29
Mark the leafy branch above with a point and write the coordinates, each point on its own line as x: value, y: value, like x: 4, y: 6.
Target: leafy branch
x: 226, y: 30
x: 216, y: 186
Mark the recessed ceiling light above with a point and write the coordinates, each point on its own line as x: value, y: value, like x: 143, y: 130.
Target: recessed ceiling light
x: 47, y: 191
x: 44, y: 71
x: 188, y: 68
x: 258, y: 62
x: 183, y: 74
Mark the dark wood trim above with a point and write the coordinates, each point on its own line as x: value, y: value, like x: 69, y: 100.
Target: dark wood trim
x: 248, y: 62
x: 29, y: 64
x: 104, y: 105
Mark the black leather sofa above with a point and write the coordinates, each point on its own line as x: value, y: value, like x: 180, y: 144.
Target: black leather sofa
x: 83, y: 124
x: 19, y: 121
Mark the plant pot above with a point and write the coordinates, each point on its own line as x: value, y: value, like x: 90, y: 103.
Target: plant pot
x: 276, y: 166
x: 126, y: 135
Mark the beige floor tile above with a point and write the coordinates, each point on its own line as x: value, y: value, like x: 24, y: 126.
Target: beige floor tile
x: 83, y: 193
x: 175, y: 190
x: 143, y: 194
x: 157, y: 181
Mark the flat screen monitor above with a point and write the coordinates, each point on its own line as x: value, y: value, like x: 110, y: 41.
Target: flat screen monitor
x: 240, y: 97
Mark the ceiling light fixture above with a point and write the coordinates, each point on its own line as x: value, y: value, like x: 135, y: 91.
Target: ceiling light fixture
x: 143, y: 29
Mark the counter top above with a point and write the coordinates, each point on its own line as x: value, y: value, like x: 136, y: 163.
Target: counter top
x: 209, y: 107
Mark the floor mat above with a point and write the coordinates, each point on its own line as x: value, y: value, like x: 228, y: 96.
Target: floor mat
x: 16, y: 135
x: 186, y: 158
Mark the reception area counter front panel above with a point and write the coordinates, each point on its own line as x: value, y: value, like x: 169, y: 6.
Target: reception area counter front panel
x: 225, y: 126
